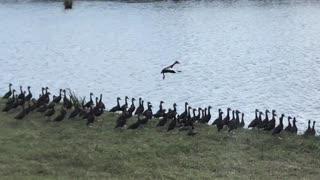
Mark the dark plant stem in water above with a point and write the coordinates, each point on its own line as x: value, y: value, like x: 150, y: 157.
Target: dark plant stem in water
x: 68, y: 4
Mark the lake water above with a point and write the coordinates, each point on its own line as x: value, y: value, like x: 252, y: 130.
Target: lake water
x: 239, y: 54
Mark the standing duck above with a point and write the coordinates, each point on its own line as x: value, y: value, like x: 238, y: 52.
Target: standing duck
x: 227, y: 118
x: 100, y: 103
x: 159, y: 113
x: 58, y: 98
x: 272, y: 123
x: 9, y: 93
x: 117, y: 107
x: 220, y: 122
x: 197, y: 117
x: 140, y: 108
x: 194, y: 116
x: 121, y: 122
x: 148, y: 112
x: 132, y: 107
x: 294, y: 128
x: 29, y: 96
x: 11, y: 99
x: 255, y: 121
x: 173, y: 123
x: 170, y: 69
x: 263, y: 123
x: 172, y: 113
x: 289, y: 127
x: 90, y: 102
x: 216, y: 120
x: 279, y: 128
x: 208, y: 116
x: 163, y: 121
x: 203, y: 115
x: 21, y: 95
x: 90, y: 118
x: 125, y: 106
x: 234, y: 124
x: 185, y: 113
x: 241, y: 125
x: 97, y: 110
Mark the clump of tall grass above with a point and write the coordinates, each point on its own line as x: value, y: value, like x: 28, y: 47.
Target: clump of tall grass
x: 76, y: 100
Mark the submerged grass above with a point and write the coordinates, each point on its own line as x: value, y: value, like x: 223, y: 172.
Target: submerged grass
x: 34, y: 148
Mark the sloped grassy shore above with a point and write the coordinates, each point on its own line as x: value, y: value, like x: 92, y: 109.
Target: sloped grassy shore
x: 35, y: 148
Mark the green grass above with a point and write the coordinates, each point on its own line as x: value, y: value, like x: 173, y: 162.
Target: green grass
x: 34, y: 148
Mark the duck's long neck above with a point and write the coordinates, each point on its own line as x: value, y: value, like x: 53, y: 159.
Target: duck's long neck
x: 294, y: 124
x: 126, y: 101
x: 21, y: 90
x: 256, y: 114
x: 118, y: 103
x: 29, y: 91
x: 186, y: 107
x: 228, y: 114
x: 209, y: 111
x: 100, y: 98
x: 10, y: 88
x: 91, y: 98
x: 237, y: 116
x: 160, y: 106
x: 267, y: 118
x: 174, y: 108
x: 313, y: 124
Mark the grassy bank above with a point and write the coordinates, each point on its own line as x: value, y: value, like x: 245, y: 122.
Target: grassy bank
x: 35, y: 148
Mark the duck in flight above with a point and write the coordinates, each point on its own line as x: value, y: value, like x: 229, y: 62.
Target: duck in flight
x: 170, y: 69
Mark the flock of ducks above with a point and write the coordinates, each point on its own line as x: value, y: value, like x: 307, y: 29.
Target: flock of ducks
x: 170, y: 119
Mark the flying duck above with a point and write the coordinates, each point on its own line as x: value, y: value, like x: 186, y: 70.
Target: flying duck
x: 170, y: 69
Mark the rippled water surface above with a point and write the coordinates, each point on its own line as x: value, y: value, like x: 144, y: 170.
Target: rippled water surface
x: 238, y: 54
